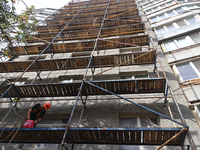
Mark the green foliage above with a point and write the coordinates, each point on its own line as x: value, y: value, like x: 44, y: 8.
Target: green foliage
x: 15, y: 100
x: 7, y: 52
x: 20, y: 25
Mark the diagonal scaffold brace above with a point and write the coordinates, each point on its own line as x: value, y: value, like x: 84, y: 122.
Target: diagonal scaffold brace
x: 137, y: 104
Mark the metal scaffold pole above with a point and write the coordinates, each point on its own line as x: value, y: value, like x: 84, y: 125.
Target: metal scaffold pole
x: 71, y: 115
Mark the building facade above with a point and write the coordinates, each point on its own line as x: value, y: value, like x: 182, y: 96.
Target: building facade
x: 176, y: 25
x: 106, y: 76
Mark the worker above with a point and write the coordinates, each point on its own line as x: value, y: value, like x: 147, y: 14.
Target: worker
x: 37, y: 112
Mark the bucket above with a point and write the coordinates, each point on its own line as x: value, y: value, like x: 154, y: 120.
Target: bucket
x: 28, y: 124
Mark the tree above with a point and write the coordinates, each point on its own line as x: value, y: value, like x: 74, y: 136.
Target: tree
x: 20, y: 26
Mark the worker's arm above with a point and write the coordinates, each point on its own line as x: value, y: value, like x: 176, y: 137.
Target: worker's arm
x: 28, y: 114
x: 41, y: 116
x: 36, y: 121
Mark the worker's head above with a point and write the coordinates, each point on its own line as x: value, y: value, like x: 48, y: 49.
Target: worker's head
x: 47, y: 105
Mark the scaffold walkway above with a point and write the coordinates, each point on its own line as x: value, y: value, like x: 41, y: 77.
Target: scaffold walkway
x: 135, y: 58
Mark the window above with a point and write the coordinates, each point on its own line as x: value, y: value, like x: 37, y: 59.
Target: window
x: 155, y: 19
x: 170, y: 27
x: 148, y: 11
x: 191, y: 6
x: 81, y: 54
x: 34, y: 57
x: 140, y: 76
x: 163, y: 29
x: 183, y: 42
x: 189, y: 70
x: 162, y: 6
x: 130, y: 50
x: 192, y: 19
x: 179, y: 10
x: 195, y: 37
x: 162, y: 16
x: 70, y: 78
x: 145, y: 5
x: 171, y: 13
x: 197, y: 64
x: 133, y: 75
x: 20, y: 81
x: 181, y: 23
x: 66, y: 81
x: 160, y: 30
x: 137, y: 121
x: 155, y: 9
x: 168, y: 4
x: 54, y: 120
x: 106, y: 77
x: 169, y: 46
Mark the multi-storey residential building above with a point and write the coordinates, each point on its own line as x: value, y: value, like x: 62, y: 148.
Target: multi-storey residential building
x: 100, y: 66
x: 176, y: 25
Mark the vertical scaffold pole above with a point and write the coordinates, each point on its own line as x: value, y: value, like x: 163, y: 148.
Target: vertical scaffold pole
x: 166, y: 92
x: 37, y: 72
x: 155, y: 67
x: 137, y: 104
x: 66, y: 131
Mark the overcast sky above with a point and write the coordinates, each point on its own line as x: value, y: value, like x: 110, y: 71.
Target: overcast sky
x: 40, y: 4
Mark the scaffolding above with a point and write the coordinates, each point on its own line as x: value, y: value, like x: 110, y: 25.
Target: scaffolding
x: 113, y: 18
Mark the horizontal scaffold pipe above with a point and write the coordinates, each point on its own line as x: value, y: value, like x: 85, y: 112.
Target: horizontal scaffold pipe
x: 64, y: 47
x: 72, y: 11
x: 99, y: 7
x: 80, y: 62
x: 99, y: 135
x: 93, y: 99
x: 42, y: 51
x: 92, y: 18
x: 116, y: 94
x: 90, y: 4
x: 97, y: 4
x: 94, y: 12
x: 87, y: 25
x: 90, y: 33
x: 125, y: 86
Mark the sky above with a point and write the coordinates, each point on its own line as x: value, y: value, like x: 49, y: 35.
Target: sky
x: 40, y: 4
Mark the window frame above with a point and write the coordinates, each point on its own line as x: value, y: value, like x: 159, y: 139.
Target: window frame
x: 70, y: 78
x: 42, y: 57
x: 175, y: 41
x: 192, y: 66
x: 132, y: 74
x: 21, y: 80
